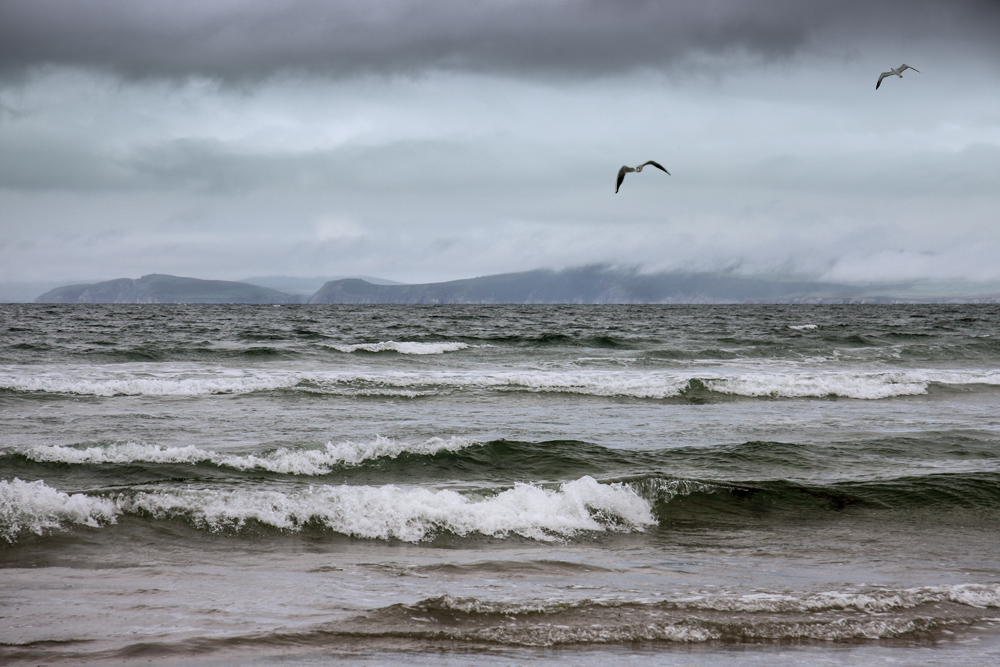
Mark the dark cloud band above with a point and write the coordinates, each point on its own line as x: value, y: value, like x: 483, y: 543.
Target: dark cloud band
x: 244, y: 40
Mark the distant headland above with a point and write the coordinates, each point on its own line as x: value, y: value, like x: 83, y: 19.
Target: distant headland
x: 585, y: 285
x: 160, y: 288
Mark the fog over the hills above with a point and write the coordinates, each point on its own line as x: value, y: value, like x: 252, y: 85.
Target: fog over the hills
x: 438, y: 139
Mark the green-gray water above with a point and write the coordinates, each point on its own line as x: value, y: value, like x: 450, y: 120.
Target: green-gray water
x: 443, y: 485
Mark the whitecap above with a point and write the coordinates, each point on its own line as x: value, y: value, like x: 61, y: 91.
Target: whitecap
x: 876, y: 601
x: 590, y: 383
x: 147, y: 386
x: 286, y: 461
x: 847, y: 385
x: 862, y: 385
x: 35, y: 507
x: 410, y: 514
x: 402, y: 347
x: 793, y: 383
x: 763, y: 616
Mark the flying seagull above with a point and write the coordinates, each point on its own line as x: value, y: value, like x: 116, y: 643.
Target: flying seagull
x: 625, y: 170
x: 897, y: 71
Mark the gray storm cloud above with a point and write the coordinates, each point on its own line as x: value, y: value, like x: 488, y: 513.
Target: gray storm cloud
x: 440, y: 139
x: 240, y: 41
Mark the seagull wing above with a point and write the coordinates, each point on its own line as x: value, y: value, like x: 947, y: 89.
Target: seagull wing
x: 882, y: 76
x: 621, y: 177
x: 905, y: 66
x: 657, y: 165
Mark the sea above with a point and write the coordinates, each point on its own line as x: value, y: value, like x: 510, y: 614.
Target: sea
x: 500, y: 485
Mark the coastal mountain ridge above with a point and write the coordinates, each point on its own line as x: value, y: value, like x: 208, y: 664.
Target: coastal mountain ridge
x: 584, y: 285
x: 587, y: 285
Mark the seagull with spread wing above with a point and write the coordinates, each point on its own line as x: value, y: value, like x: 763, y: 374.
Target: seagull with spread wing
x: 625, y: 170
x: 895, y: 71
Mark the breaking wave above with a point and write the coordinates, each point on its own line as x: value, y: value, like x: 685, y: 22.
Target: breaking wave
x: 285, y: 461
x: 915, y: 614
x: 409, y: 514
x: 529, y: 510
x: 872, y: 614
x: 619, y: 383
x: 150, y: 386
x: 34, y: 507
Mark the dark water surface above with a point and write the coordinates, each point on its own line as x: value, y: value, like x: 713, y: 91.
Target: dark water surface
x: 443, y: 485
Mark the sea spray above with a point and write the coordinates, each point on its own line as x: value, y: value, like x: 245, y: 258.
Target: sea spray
x: 34, y: 507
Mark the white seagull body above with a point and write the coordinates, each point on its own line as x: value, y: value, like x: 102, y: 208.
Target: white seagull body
x: 625, y: 170
x: 895, y: 71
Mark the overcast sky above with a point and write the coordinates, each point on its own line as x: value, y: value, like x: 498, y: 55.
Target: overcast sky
x: 430, y: 140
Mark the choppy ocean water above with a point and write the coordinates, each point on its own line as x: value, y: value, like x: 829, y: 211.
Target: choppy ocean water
x: 500, y: 484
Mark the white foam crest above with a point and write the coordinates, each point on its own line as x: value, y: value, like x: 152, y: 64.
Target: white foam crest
x: 554, y: 635
x: 693, y: 631
x: 144, y: 386
x: 119, y: 452
x: 321, y: 461
x: 802, y: 327
x: 601, y: 383
x: 961, y: 377
x: 625, y: 621
x: 874, y: 601
x: 863, y: 386
x: 974, y: 595
x: 659, y: 385
x: 411, y: 514
x: 353, y: 453
x: 394, y: 393
x: 629, y: 383
x: 402, y: 347
x: 35, y: 507
x: 285, y: 461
